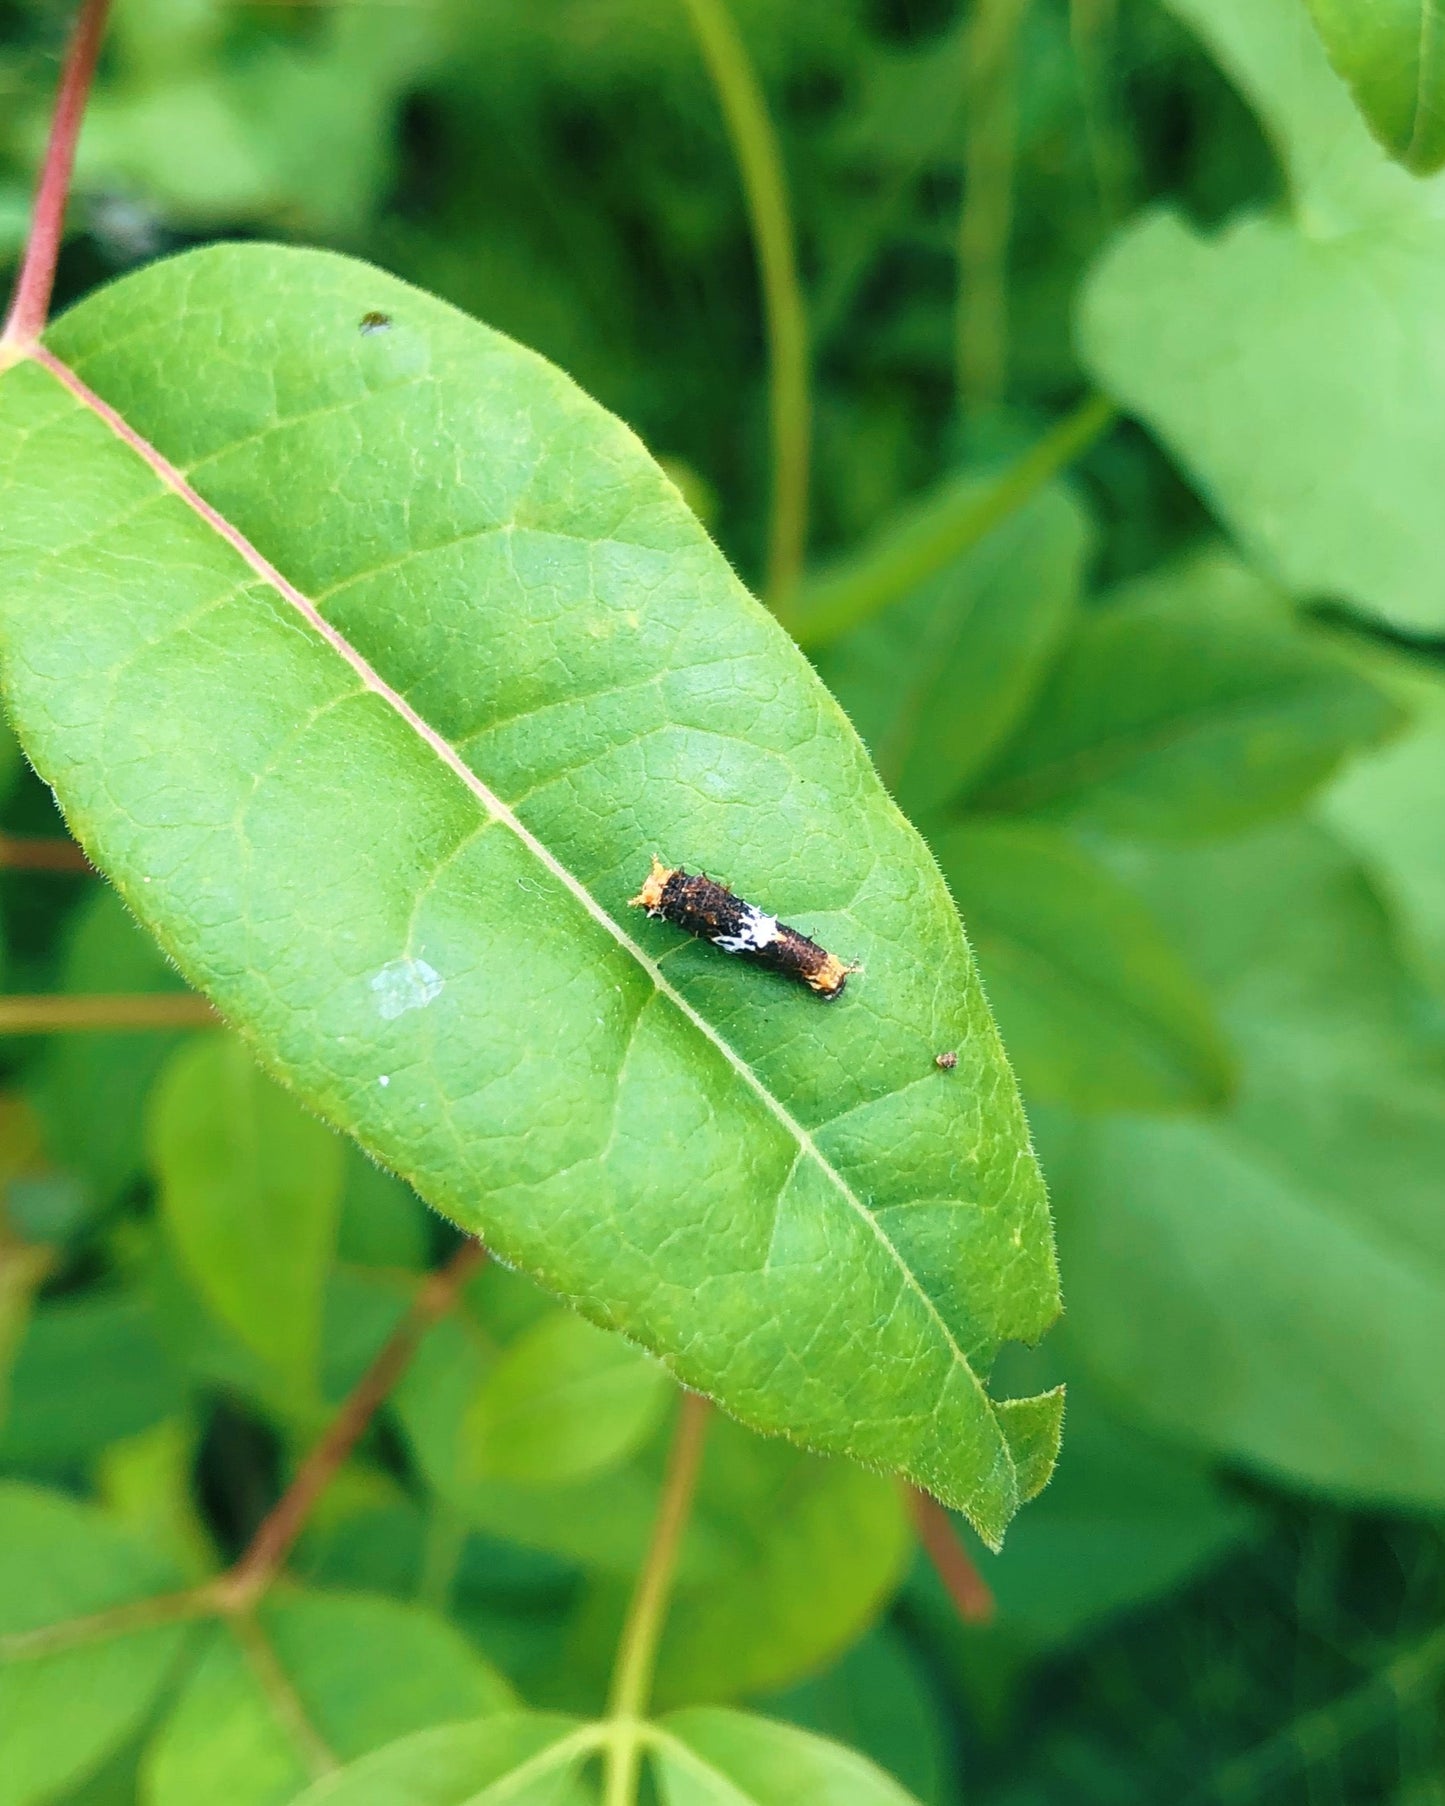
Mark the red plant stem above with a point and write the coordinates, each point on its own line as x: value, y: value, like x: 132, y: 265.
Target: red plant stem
x: 963, y: 1583
x: 49, y: 1014
x: 41, y: 853
x: 272, y: 1543
x: 30, y: 307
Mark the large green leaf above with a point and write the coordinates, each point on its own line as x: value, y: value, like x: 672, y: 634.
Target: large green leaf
x: 1294, y: 364
x: 1188, y: 705
x: 937, y: 681
x: 63, y: 1713
x: 1100, y: 1010
x: 250, y: 1189
x: 708, y: 1756
x: 382, y: 758
x: 1390, y: 807
x: 1392, y: 53
x: 1271, y: 1286
x: 522, y: 1758
x: 357, y: 1672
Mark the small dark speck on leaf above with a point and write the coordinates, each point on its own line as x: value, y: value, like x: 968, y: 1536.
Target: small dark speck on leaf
x: 945, y: 1062
x: 374, y: 322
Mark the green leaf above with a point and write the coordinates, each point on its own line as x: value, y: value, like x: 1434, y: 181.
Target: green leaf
x: 1271, y: 1287
x: 382, y: 1222
x: 1390, y: 807
x: 63, y: 1713
x: 1340, y: 178
x: 1099, y: 1010
x: 709, y: 1756
x: 1293, y: 365
x: 522, y: 1758
x: 90, y: 1089
x: 936, y: 682
x: 880, y: 1699
x: 565, y: 1401
x: 1189, y: 706
x: 250, y: 1187
x: 91, y: 1369
x: 396, y: 846
x: 1393, y: 57
x: 314, y: 1672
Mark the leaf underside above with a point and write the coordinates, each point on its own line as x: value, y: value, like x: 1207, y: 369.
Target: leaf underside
x: 372, y: 663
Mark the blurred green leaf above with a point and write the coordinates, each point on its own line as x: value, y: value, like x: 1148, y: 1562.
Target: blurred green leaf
x: 934, y: 683
x: 9, y: 758
x: 91, y: 1369
x: 1390, y: 807
x: 383, y: 1222
x: 63, y: 1713
x: 804, y: 1556
x: 463, y: 987
x: 1191, y: 705
x: 880, y: 1699
x: 708, y: 1756
x: 1099, y: 1009
x: 1340, y: 178
x: 1393, y: 57
x: 358, y: 1672
x: 1271, y: 1287
x: 522, y: 1758
x: 1292, y: 364
x: 250, y: 1188
x: 566, y: 1400
x: 90, y: 1089
x: 144, y: 1482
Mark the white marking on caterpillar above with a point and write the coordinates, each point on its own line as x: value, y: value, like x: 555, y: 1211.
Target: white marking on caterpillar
x: 755, y: 932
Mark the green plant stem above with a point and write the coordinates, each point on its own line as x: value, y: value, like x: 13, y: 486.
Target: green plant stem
x: 760, y: 164
x: 642, y: 1632
x: 49, y: 1015
x: 1092, y: 26
x: 282, y: 1697
x: 986, y: 219
x: 941, y: 526
x: 30, y: 305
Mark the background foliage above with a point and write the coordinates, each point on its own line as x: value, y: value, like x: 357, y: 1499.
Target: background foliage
x: 1175, y: 729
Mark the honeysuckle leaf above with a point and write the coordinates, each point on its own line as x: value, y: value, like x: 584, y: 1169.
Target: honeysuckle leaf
x: 709, y: 1756
x: 63, y: 1711
x: 373, y: 661
x: 1291, y: 361
x: 1392, y: 54
x: 364, y: 1672
x: 520, y: 1758
x: 250, y: 1189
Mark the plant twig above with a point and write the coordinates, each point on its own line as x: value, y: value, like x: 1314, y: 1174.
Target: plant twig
x: 760, y: 164
x: 42, y: 853
x: 986, y: 220
x: 30, y: 305
x: 647, y: 1614
x: 46, y: 1015
x: 947, y: 522
x: 273, y: 1541
x: 963, y: 1583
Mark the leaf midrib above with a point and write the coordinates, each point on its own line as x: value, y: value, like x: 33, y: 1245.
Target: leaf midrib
x: 172, y: 479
